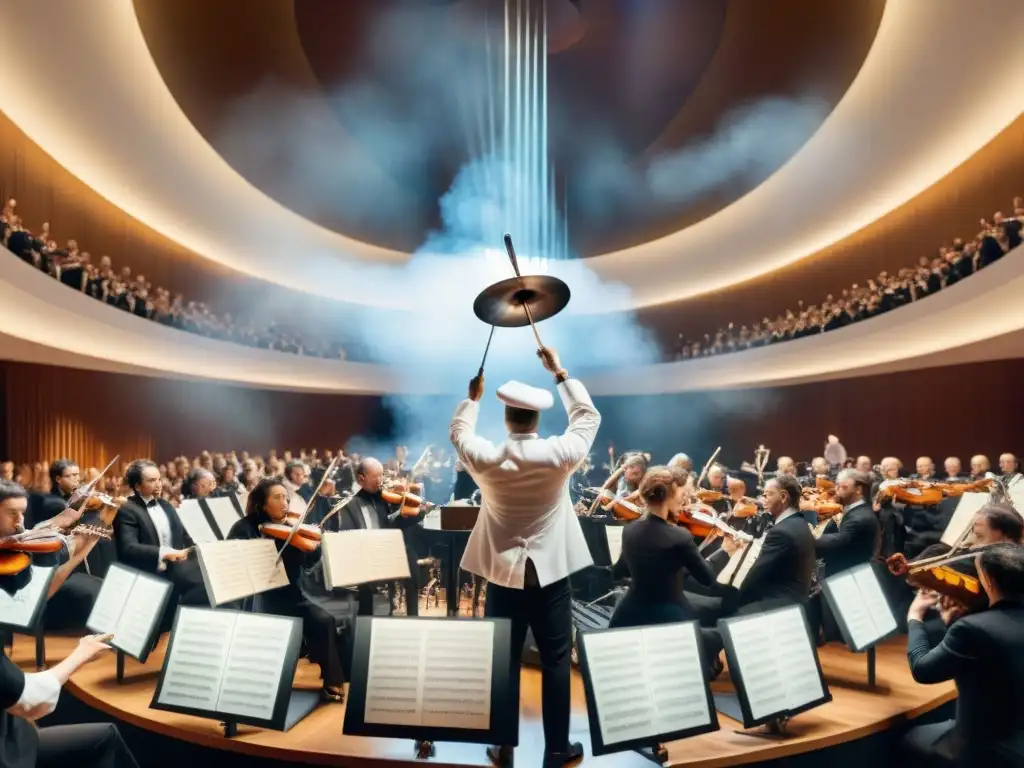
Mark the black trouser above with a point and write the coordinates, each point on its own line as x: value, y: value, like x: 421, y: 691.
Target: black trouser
x: 547, y: 611
x: 70, y: 606
x: 320, y: 631
x: 92, y: 745
x: 929, y: 746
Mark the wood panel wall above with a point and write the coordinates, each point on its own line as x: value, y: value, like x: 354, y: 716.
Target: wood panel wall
x: 92, y: 416
x: 961, y: 410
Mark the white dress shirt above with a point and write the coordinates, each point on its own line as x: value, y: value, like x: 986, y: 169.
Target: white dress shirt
x: 39, y: 698
x: 525, y: 510
x: 370, y: 520
x: 163, y: 530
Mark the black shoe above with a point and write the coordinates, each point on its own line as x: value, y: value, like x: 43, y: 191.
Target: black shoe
x: 500, y: 756
x: 559, y: 759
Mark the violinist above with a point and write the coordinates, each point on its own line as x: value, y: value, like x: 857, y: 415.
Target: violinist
x: 981, y: 652
x: 295, y: 476
x: 658, y: 554
x: 70, y: 607
x: 980, y: 468
x: 1009, y: 468
x: 150, y: 537
x: 625, y: 481
x: 783, y: 572
x: 954, y: 470
x: 26, y: 697
x: 199, y: 484
x: 369, y: 511
x: 322, y: 505
x: 268, y: 503
x: 925, y: 469
x: 857, y: 538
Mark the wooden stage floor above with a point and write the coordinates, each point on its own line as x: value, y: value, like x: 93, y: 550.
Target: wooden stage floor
x: 855, y: 712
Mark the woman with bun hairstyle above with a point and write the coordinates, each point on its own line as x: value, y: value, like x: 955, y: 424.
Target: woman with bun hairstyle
x: 659, y: 554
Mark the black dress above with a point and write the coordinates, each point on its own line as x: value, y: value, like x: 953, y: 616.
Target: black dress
x: 658, y: 556
x: 319, y: 628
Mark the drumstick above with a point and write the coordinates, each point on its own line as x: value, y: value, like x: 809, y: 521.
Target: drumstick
x: 515, y: 265
x: 486, y: 350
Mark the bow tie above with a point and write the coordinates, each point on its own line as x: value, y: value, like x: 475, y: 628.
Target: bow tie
x: 151, y: 503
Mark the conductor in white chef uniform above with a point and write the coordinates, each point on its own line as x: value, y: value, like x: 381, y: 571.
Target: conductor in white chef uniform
x: 527, y: 539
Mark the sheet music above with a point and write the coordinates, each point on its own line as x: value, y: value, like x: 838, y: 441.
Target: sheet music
x: 363, y: 556
x: 237, y: 568
x: 432, y: 520
x: 141, y: 612
x: 614, y: 534
x: 640, y: 690
x: 195, y: 522
x: 963, y: 517
x: 430, y: 673
x: 18, y: 609
x: 243, y: 500
x: 252, y: 674
x: 739, y: 565
x: 109, y: 605
x: 863, y: 605
x: 200, y: 645
x: 224, y: 514
x: 776, y: 660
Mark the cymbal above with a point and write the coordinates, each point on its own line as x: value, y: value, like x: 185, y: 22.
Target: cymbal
x: 501, y: 304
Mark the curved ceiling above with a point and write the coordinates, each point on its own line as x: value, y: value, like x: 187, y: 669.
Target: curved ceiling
x: 978, y: 319
x: 376, y: 63
x: 912, y: 114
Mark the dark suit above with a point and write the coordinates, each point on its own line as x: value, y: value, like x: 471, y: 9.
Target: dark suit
x: 351, y: 518
x: 856, y: 542
x: 138, y: 546
x: 783, y: 572
x: 982, y: 653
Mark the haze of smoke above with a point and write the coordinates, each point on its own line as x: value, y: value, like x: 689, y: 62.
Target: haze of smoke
x: 749, y: 145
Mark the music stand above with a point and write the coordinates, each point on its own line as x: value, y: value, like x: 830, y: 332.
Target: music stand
x: 603, y: 653
x: 502, y: 727
x: 861, y: 610
x: 759, y: 640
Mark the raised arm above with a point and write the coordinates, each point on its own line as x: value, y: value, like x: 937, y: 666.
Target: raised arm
x: 574, y: 444
x: 471, y: 449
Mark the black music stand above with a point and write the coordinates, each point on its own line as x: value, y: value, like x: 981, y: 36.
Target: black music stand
x: 888, y: 626
x: 28, y: 619
x: 290, y: 706
x: 654, y: 742
x: 504, y: 710
x: 153, y: 631
x: 737, y: 705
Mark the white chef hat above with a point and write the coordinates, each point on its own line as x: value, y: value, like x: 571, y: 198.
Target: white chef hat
x: 520, y: 395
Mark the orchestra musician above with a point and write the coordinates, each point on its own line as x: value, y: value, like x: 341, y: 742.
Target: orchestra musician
x: 26, y: 697
x: 295, y: 476
x: 954, y: 470
x: 70, y: 606
x: 981, y: 652
x: 981, y: 467
x: 925, y: 469
x: 150, y: 537
x: 783, y: 572
x: 367, y: 510
x: 199, y: 484
x: 527, y: 539
x: 268, y: 503
x: 1009, y: 468
x: 858, y: 537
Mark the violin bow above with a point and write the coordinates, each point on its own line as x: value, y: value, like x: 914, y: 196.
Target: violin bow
x: 309, y: 506
x: 82, y: 491
x: 704, y: 472
x: 345, y: 499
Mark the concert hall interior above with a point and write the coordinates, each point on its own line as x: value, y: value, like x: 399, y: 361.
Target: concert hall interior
x: 287, y: 285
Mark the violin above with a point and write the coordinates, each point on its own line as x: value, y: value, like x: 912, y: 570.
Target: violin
x: 708, y: 496
x: 744, y: 507
x: 304, y: 529
x: 699, y: 519
x: 959, y: 489
x: 16, y: 551
x: 912, y: 493
x: 410, y: 502
x: 935, y: 574
x: 302, y: 539
x: 622, y: 509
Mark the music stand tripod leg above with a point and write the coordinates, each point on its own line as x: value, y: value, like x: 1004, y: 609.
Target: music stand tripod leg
x: 871, y: 667
x: 656, y: 753
x: 425, y: 750
x: 119, y: 660
x: 230, y: 729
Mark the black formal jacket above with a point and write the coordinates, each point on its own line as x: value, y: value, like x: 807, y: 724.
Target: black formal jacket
x: 982, y: 653
x: 783, y: 571
x: 138, y: 543
x: 856, y: 542
x: 350, y: 517
x: 19, y: 740
x: 658, y: 556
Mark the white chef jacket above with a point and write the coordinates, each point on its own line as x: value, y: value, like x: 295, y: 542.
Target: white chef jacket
x: 525, y: 511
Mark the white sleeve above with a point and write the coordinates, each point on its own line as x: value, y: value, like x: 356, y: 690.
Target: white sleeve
x: 471, y: 449
x: 584, y: 420
x: 161, y: 563
x: 42, y: 689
